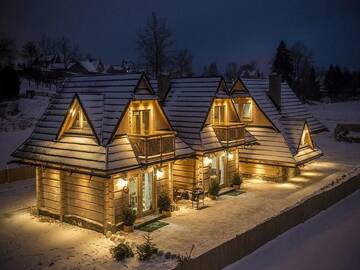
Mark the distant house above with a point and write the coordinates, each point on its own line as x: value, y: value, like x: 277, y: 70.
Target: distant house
x: 99, y: 150
x: 125, y: 67
x: 86, y: 67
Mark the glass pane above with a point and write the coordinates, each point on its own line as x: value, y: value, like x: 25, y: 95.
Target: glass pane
x: 136, y: 128
x: 133, y: 194
x: 147, y: 192
x: 219, y: 115
x: 146, y: 120
x: 247, y: 110
x: 222, y: 171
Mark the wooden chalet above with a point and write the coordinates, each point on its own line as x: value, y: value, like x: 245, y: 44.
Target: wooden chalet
x: 281, y: 125
x: 203, y: 115
x: 106, y: 142
x: 103, y: 143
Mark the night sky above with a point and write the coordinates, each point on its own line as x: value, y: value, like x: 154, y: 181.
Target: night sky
x: 221, y: 31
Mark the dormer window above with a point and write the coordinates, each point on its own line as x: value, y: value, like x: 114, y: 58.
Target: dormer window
x: 76, y: 121
x: 141, y: 121
x: 247, y: 111
x: 219, y: 115
x: 306, y: 140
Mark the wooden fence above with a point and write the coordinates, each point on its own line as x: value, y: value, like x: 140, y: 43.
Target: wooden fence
x: 15, y: 174
x: 247, y: 242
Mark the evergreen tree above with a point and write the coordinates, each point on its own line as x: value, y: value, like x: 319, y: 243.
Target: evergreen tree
x: 231, y: 71
x: 282, y: 63
x: 9, y: 83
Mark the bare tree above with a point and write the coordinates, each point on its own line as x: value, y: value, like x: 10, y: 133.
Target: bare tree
x: 302, y: 59
x: 154, y: 44
x: 211, y: 70
x: 47, y: 46
x: 67, y: 50
x: 231, y: 71
x: 183, y: 63
x: 7, y: 51
x: 29, y: 52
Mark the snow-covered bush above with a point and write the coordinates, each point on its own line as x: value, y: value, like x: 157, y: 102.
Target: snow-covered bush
x: 121, y: 252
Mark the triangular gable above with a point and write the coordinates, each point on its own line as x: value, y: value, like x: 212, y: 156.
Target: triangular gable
x: 222, y: 90
x: 71, y: 116
x: 143, y: 86
x: 305, y: 138
x: 238, y: 89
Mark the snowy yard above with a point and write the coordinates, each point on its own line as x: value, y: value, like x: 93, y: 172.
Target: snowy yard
x: 30, y: 242
x: 328, y: 241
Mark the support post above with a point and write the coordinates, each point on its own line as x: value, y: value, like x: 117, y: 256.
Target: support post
x: 62, y: 195
x: 38, y: 172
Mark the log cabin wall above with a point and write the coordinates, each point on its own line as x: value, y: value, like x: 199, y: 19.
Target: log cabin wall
x: 84, y: 196
x: 184, y: 174
x: 267, y: 171
x: 48, y: 190
x: 72, y: 197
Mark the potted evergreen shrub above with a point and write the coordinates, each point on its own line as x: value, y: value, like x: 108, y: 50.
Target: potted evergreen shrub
x: 214, y: 189
x: 129, y: 216
x: 164, y: 204
x: 236, y: 181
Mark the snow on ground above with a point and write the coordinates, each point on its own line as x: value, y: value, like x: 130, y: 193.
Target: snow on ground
x: 332, y: 114
x: 28, y: 241
x: 15, y: 129
x: 330, y: 240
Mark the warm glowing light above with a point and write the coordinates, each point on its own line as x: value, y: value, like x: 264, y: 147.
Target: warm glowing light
x: 159, y: 173
x: 121, y: 183
x: 207, y: 161
x: 230, y: 156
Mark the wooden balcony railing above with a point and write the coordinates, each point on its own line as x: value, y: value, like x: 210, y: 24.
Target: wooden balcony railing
x: 152, y: 146
x: 231, y: 133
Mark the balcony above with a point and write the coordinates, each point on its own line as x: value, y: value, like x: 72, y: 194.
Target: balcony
x: 230, y: 134
x: 154, y: 146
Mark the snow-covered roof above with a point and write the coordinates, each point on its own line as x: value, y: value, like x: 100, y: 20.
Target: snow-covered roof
x: 188, y: 103
x: 279, y: 144
x: 104, y: 99
x: 291, y: 106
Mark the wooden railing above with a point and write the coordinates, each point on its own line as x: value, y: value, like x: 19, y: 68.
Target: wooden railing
x: 231, y: 133
x: 152, y: 146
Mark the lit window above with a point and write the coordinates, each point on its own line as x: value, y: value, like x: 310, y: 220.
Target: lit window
x: 219, y: 115
x: 247, y: 112
x: 140, y: 121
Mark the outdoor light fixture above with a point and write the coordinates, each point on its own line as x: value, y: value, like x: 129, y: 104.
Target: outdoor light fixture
x: 159, y: 173
x: 121, y: 183
x: 230, y: 156
x: 207, y: 161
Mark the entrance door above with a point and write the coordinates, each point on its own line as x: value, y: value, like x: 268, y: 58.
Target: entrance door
x: 222, y: 170
x: 147, y: 193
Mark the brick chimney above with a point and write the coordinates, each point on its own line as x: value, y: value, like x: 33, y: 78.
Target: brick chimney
x: 275, y: 89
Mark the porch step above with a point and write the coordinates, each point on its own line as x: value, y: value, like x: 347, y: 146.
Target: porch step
x: 226, y: 190
x: 146, y: 220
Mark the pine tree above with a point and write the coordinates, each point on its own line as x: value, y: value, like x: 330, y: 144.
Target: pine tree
x: 29, y: 52
x: 282, y: 63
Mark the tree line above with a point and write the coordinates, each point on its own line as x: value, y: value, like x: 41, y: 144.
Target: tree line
x: 296, y: 66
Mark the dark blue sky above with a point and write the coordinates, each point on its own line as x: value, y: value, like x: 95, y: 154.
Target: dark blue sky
x: 221, y: 31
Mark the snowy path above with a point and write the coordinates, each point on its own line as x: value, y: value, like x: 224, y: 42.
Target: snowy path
x: 330, y: 240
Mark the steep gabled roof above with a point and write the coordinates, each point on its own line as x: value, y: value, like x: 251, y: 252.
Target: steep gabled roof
x: 291, y: 106
x: 188, y: 103
x: 103, y: 99
x: 238, y: 89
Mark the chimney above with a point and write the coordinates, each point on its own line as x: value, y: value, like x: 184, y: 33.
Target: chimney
x: 275, y: 89
x: 163, y: 86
